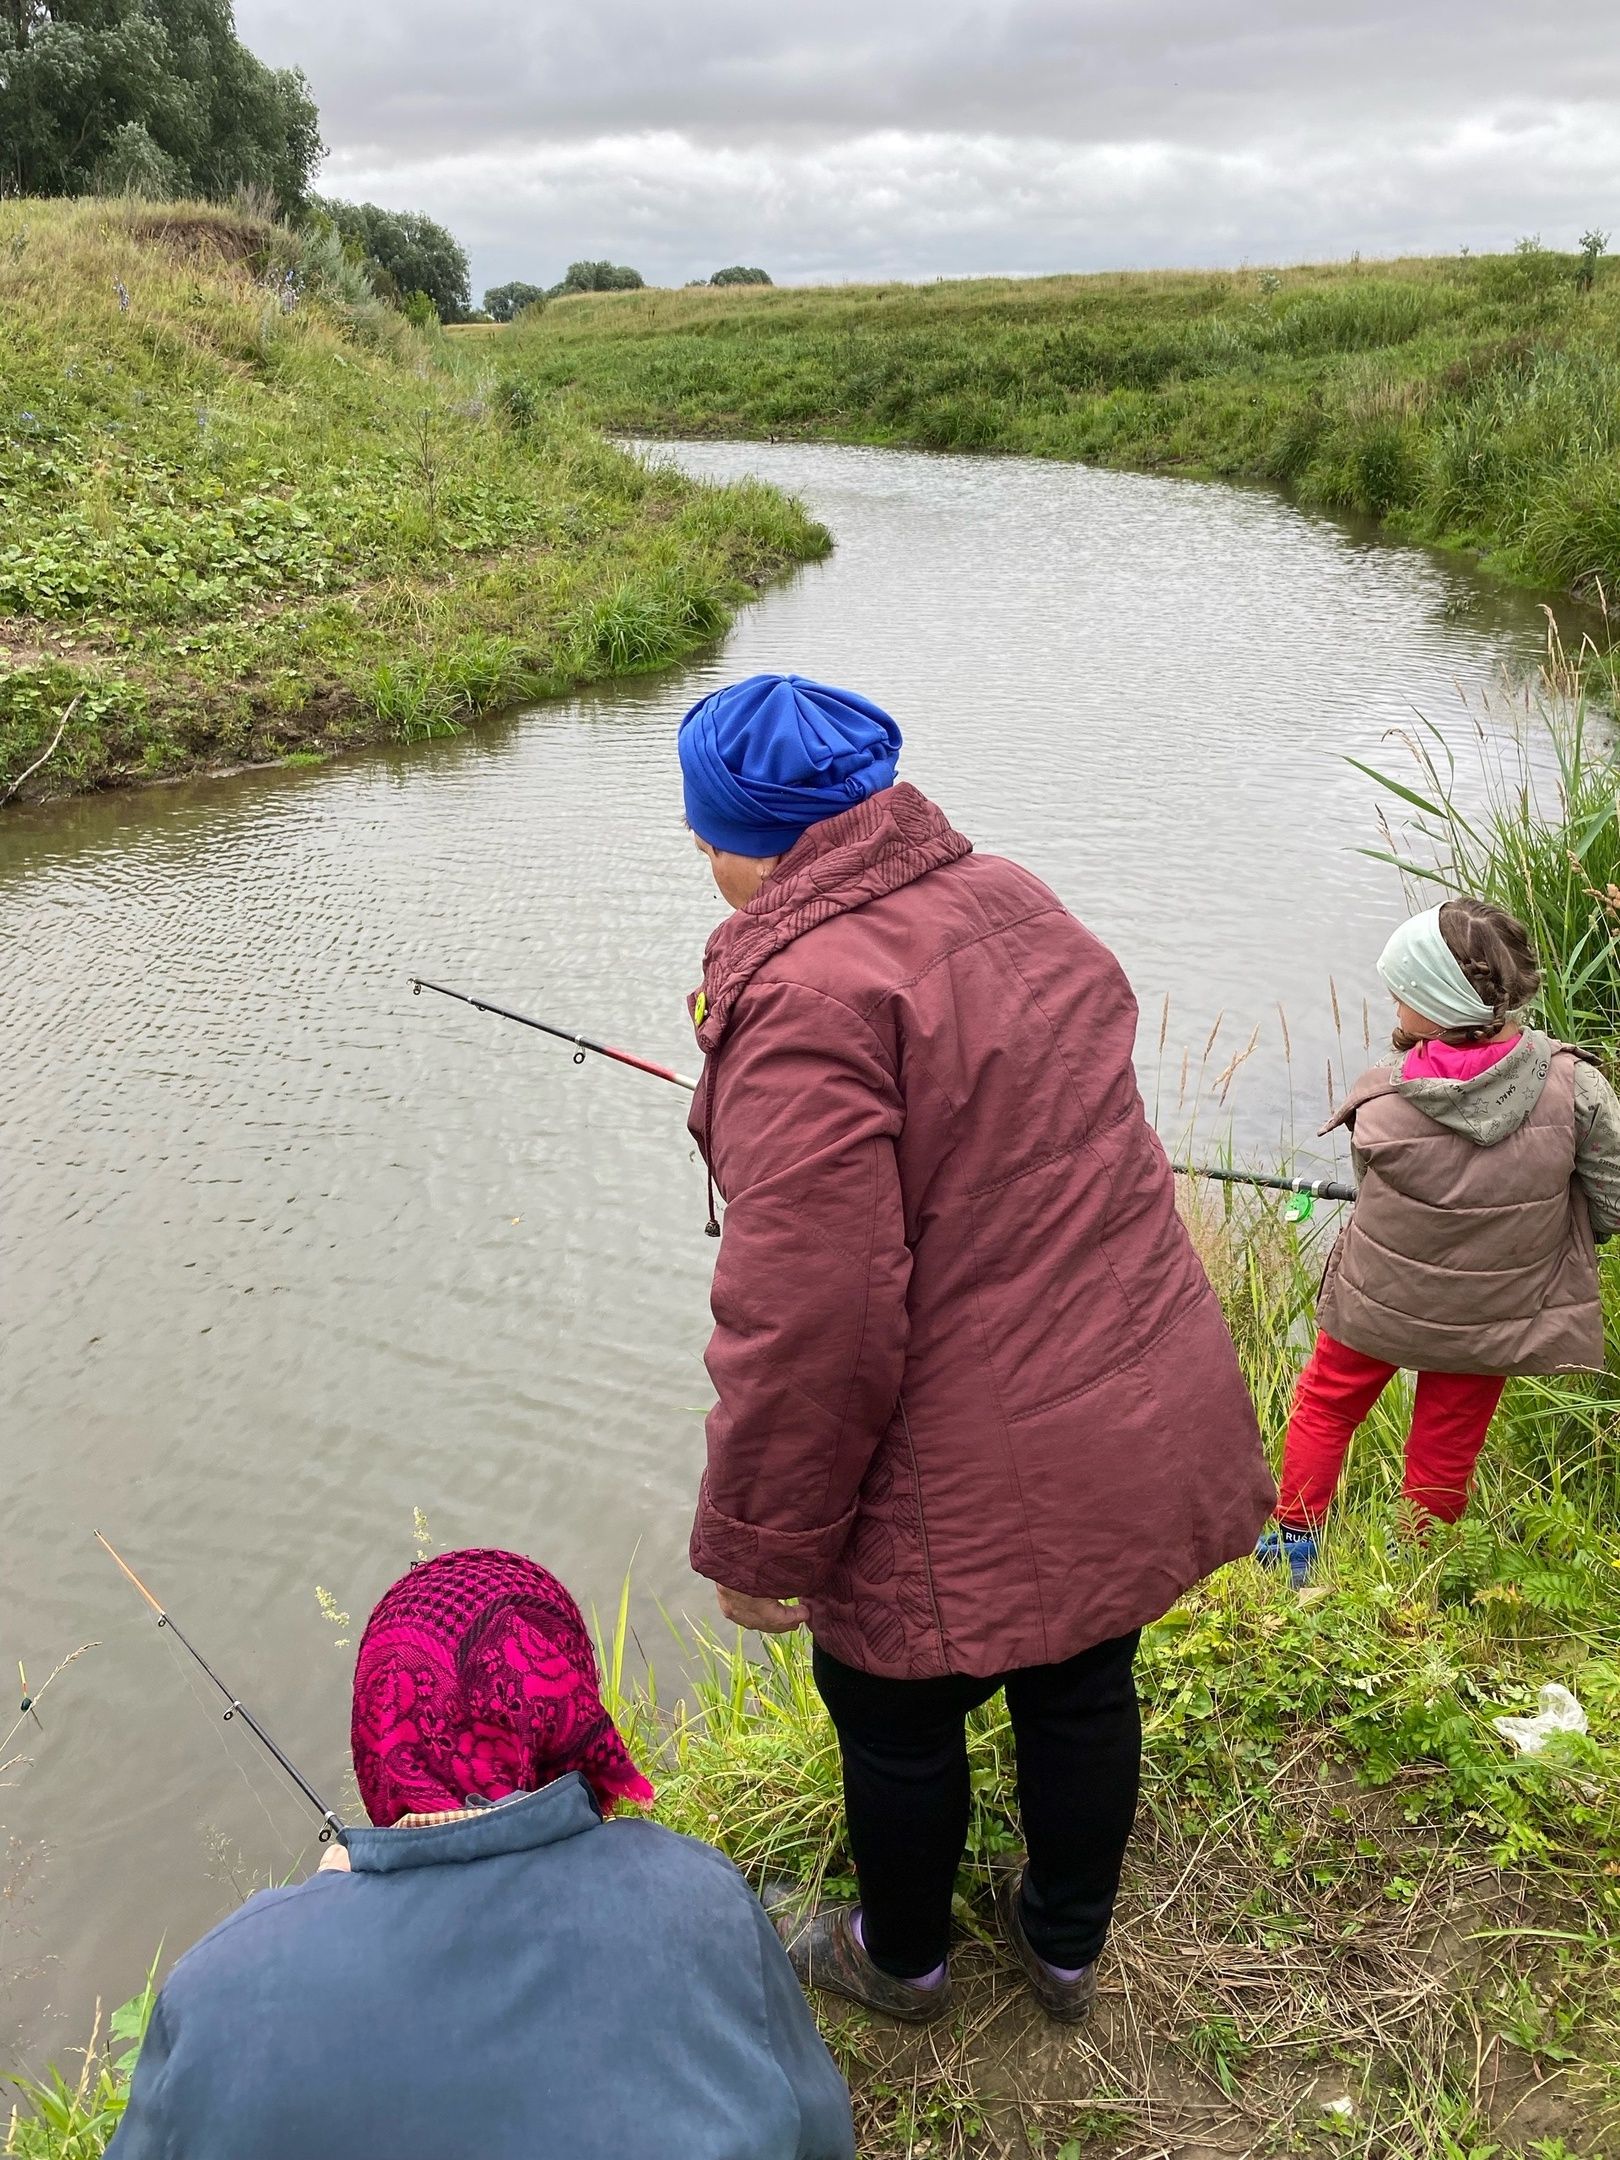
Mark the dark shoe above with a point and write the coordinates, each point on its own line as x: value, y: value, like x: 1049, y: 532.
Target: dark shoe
x: 822, y: 1950
x: 1068, y: 2001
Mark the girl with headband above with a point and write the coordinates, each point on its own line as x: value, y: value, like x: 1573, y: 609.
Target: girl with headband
x: 1487, y: 1160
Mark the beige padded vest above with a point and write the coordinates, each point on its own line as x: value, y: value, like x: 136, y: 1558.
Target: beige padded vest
x: 1462, y: 1258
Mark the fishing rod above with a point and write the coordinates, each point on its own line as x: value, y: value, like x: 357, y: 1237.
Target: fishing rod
x: 581, y: 1043
x: 329, y: 1821
x: 1310, y: 1188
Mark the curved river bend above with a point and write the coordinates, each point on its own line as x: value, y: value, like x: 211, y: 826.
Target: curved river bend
x: 289, y: 1254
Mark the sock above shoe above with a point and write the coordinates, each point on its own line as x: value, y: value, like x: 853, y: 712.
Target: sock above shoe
x: 932, y: 1979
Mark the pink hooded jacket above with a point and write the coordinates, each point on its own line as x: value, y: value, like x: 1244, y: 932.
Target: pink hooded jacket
x: 977, y: 1401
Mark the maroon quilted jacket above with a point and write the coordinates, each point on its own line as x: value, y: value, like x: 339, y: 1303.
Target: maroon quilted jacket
x: 977, y: 1402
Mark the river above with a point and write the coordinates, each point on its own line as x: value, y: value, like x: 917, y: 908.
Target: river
x: 290, y: 1254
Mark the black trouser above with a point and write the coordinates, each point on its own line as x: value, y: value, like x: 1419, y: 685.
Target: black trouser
x: 1078, y: 1736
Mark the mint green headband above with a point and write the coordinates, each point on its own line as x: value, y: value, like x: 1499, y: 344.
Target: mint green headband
x: 1421, y: 969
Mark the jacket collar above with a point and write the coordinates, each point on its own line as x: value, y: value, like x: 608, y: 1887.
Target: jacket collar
x: 1485, y: 1109
x: 873, y: 848
x: 560, y: 1810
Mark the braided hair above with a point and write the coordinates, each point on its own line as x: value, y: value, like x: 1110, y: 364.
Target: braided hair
x: 1493, y: 950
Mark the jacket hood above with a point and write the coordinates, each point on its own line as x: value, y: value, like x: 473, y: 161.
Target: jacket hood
x: 889, y: 840
x: 1485, y: 1109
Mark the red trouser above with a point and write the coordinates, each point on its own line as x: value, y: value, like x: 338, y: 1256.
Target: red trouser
x: 1337, y: 1389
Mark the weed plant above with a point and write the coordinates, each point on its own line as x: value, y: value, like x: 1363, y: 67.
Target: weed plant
x: 250, y: 509
x: 57, y: 2118
x: 1471, y: 401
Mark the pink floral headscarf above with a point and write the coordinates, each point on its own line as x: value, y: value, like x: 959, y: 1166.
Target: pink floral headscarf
x: 476, y: 1676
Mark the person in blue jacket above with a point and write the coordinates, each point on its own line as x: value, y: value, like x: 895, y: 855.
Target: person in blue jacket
x: 494, y: 1968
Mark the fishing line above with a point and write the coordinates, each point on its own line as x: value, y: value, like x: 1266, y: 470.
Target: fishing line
x: 227, y: 1750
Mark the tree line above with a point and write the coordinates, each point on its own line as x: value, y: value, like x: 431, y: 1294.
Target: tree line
x: 504, y: 303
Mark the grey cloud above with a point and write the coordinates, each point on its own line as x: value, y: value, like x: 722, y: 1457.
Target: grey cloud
x: 413, y: 78
x: 895, y: 205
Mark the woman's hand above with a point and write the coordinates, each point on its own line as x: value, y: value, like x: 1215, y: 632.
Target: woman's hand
x: 765, y: 1615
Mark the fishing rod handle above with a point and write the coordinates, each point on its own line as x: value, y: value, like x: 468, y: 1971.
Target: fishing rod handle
x: 1318, y: 1188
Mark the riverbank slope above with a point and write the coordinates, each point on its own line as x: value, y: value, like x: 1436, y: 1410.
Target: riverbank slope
x: 252, y: 512
x: 1472, y: 402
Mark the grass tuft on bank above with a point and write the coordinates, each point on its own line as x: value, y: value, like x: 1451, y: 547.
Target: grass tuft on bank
x: 1468, y: 401
x: 251, y: 511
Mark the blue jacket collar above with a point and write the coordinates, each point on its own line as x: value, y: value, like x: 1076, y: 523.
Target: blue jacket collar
x: 559, y: 1810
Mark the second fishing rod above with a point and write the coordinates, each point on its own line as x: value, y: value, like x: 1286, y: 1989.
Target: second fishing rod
x: 331, y: 1825
x: 1307, y: 1188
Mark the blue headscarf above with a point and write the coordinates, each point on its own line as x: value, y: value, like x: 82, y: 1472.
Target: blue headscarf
x: 764, y: 760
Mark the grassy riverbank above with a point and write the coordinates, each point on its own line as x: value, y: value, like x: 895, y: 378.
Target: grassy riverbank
x: 1355, y: 1920
x: 253, y: 512
x: 1471, y: 402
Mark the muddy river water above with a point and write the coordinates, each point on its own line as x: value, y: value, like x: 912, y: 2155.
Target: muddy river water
x: 289, y: 1254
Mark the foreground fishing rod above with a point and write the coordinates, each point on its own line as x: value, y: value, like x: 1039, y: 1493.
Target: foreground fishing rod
x: 237, y: 1709
x: 1309, y: 1188
x: 581, y: 1043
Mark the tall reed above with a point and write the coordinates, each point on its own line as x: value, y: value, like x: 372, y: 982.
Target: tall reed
x: 1545, y: 845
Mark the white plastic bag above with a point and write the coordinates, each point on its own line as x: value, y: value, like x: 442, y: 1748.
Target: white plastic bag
x: 1557, y: 1712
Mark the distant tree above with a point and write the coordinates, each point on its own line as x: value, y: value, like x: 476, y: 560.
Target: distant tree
x: 598, y: 277
x: 156, y: 95
x: 404, y: 253
x: 1593, y: 244
x: 505, y: 301
x: 740, y: 274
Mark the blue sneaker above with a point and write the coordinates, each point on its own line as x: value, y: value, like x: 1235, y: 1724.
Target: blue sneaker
x: 1295, y: 1547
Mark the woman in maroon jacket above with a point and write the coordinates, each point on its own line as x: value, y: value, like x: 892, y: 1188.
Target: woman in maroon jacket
x: 979, y: 1415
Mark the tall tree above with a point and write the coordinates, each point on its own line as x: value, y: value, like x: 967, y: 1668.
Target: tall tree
x: 160, y: 95
x: 505, y: 301
x: 406, y: 253
x: 599, y: 277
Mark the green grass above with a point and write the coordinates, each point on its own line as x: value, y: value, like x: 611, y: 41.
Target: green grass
x: 250, y: 510
x: 1473, y: 402
x: 62, y: 2118
x: 1344, y: 1884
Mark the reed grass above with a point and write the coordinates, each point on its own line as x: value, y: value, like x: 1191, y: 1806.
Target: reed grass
x: 251, y: 511
x: 1545, y: 846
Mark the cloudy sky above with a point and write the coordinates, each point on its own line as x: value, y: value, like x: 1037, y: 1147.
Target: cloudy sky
x: 924, y: 138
